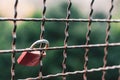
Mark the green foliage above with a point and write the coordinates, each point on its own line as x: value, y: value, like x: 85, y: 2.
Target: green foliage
x: 5, y: 43
x: 28, y: 32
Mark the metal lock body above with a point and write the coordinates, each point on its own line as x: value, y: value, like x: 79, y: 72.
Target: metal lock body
x: 32, y: 58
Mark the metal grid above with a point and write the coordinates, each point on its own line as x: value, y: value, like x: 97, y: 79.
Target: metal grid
x: 65, y: 47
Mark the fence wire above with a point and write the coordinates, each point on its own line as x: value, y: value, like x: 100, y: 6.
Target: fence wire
x: 86, y: 46
x: 88, y: 40
x: 14, y: 42
x: 42, y: 36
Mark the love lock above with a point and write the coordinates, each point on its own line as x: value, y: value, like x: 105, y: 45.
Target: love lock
x: 32, y: 58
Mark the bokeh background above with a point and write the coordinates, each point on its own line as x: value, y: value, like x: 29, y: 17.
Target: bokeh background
x: 28, y: 32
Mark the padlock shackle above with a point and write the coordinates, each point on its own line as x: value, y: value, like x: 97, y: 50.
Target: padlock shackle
x: 40, y: 42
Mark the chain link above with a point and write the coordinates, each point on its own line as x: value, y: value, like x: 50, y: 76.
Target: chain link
x: 107, y: 40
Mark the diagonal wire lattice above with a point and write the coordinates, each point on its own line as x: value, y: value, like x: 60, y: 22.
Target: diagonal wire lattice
x: 87, y: 45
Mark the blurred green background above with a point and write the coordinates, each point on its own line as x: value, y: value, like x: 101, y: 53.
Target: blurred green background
x: 29, y: 32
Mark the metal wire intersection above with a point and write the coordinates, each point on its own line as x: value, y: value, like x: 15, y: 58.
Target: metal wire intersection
x: 87, y: 45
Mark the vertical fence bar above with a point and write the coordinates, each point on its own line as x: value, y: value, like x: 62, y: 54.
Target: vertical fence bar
x: 14, y: 42
x: 42, y: 35
x: 107, y: 40
x: 43, y: 20
x: 66, y: 39
x: 87, y: 41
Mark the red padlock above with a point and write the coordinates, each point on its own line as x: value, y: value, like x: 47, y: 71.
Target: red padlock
x: 32, y: 58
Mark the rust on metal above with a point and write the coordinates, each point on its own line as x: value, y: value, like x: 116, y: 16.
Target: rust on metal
x: 107, y: 40
x: 14, y: 42
x: 42, y: 37
x: 87, y: 41
x: 66, y: 39
x: 87, y: 46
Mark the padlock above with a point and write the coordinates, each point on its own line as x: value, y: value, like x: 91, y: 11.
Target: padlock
x: 32, y: 58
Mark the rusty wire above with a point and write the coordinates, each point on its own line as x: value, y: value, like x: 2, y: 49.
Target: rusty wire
x: 107, y: 40
x: 59, y: 20
x: 87, y: 46
x: 42, y: 37
x: 66, y: 39
x: 87, y: 41
x: 14, y: 42
x: 76, y: 72
x: 43, y: 20
x: 62, y: 47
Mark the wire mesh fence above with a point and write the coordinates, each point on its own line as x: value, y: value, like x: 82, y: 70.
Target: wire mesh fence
x: 87, y: 46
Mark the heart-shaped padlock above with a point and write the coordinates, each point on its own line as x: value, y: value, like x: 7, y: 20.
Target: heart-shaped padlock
x: 32, y: 58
